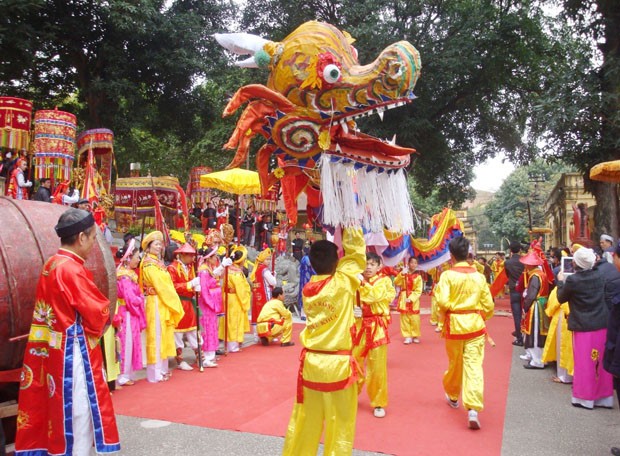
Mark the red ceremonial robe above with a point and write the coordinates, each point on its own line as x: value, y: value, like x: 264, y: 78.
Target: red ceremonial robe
x: 68, y: 307
x: 181, y: 279
x: 259, y: 293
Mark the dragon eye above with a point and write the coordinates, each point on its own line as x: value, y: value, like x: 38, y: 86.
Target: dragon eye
x: 331, y: 73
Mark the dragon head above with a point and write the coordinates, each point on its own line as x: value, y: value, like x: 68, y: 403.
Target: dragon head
x: 307, y: 111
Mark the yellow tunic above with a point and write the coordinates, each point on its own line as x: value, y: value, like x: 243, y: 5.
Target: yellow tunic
x: 465, y: 303
x: 160, y: 295
x: 275, y: 319
x: 372, y: 337
x: 558, y: 313
x: 237, y: 294
x: 409, y: 311
x: 327, y: 396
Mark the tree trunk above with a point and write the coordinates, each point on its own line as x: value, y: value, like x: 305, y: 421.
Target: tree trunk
x: 607, y: 211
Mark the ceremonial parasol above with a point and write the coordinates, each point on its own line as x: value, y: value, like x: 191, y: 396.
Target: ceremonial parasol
x: 54, y: 144
x: 606, y: 172
x: 239, y: 182
x: 101, y: 142
x: 236, y: 180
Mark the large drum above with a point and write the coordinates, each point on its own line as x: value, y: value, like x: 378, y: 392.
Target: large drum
x: 27, y: 239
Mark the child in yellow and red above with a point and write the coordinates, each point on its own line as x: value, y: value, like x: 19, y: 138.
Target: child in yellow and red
x: 372, y: 316
x: 411, y: 286
x: 326, y: 384
x: 465, y: 303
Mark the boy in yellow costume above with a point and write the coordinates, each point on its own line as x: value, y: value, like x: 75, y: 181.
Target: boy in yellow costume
x: 371, y: 321
x: 411, y: 286
x: 464, y: 303
x: 326, y: 386
x: 275, y: 320
x: 163, y: 308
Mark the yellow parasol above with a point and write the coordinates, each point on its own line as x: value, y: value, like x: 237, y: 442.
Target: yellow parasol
x: 606, y: 172
x: 236, y: 180
x: 240, y: 182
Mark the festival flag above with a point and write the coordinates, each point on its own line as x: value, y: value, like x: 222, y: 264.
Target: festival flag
x: 160, y: 223
x: 498, y: 284
x: 184, y: 208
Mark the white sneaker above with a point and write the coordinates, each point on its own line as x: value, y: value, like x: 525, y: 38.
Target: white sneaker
x: 437, y: 329
x: 407, y: 340
x: 379, y: 412
x: 526, y: 357
x: 472, y: 418
x: 416, y: 340
x: 208, y: 363
x: 451, y: 403
x: 184, y: 366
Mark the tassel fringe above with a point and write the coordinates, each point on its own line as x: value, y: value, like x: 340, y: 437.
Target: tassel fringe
x: 354, y: 195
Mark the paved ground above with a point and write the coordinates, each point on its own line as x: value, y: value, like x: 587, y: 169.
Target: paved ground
x: 540, y: 421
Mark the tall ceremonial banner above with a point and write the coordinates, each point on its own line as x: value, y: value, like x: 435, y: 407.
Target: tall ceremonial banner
x: 306, y: 112
x: 133, y: 198
x: 198, y: 195
x: 15, y: 116
x: 430, y: 252
x: 54, y: 144
x: 101, y: 142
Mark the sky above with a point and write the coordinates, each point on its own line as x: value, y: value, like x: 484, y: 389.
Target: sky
x: 491, y: 174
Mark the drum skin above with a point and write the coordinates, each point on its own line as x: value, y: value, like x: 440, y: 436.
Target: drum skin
x: 27, y: 240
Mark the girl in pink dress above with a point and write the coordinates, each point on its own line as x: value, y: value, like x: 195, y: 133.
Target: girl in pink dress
x: 210, y: 303
x: 130, y: 315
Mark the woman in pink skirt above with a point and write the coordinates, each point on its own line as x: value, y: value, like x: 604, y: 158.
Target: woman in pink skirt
x: 585, y: 292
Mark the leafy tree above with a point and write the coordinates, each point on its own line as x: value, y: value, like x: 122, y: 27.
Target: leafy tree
x: 485, y: 63
x: 580, y: 108
x: 131, y: 66
x: 508, y: 212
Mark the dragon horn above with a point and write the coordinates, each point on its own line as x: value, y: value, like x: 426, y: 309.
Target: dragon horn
x: 240, y: 43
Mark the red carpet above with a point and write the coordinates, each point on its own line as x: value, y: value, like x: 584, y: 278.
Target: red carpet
x: 253, y: 391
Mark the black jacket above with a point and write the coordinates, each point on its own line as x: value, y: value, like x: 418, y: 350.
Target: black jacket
x: 611, y: 359
x: 514, y: 269
x: 43, y: 194
x: 585, y: 293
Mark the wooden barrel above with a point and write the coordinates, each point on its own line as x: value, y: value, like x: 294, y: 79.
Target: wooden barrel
x: 27, y: 240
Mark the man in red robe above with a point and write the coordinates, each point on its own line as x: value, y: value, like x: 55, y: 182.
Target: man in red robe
x: 64, y: 403
x: 186, y: 285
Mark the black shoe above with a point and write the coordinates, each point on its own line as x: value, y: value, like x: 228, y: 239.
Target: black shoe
x: 287, y: 344
x: 518, y: 343
x: 615, y: 451
x: 264, y: 341
x: 514, y: 334
x: 530, y: 366
x: 219, y: 352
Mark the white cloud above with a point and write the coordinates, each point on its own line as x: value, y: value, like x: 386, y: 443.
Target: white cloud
x: 491, y: 174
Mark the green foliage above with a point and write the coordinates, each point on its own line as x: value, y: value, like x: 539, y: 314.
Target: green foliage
x: 508, y: 213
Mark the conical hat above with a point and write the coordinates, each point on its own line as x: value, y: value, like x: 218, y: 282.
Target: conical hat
x: 531, y: 259
x: 185, y: 248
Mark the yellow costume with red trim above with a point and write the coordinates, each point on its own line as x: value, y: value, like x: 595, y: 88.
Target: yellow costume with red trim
x: 372, y: 337
x: 326, y: 383
x: 160, y: 295
x: 465, y: 303
x: 275, y: 320
x: 411, y: 286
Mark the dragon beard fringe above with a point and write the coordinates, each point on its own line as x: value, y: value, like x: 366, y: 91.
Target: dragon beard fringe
x: 371, y: 198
